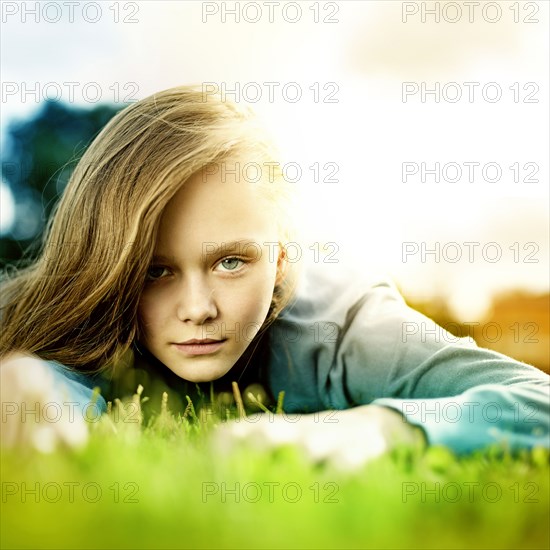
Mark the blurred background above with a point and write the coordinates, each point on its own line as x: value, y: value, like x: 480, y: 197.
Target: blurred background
x: 417, y: 132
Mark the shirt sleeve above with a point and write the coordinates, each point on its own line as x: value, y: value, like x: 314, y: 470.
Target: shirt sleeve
x: 386, y: 353
x: 463, y: 396
x: 78, y: 390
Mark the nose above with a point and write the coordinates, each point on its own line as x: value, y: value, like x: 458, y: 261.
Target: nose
x: 196, y: 301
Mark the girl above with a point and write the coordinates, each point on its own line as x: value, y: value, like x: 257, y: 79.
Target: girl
x: 163, y: 266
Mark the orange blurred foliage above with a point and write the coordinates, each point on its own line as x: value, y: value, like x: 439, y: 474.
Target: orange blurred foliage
x: 517, y: 324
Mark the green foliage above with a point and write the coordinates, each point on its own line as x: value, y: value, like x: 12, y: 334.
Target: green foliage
x: 41, y: 154
x: 161, y: 483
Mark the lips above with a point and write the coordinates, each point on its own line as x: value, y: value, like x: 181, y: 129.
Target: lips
x: 197, y: 341
x: 199, y: 347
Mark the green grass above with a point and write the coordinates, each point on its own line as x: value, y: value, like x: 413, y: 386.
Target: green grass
x: 161, y: 486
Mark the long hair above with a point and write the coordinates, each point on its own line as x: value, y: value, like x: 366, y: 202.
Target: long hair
x: 77, y: 303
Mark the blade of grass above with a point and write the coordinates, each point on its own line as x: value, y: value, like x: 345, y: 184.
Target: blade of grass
x: 190, y: 410
x: 257, y: 402
x: 238, y: 399
x: 280, y: 399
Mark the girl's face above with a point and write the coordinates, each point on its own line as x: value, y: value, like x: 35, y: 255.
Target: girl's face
x: 212, y: 277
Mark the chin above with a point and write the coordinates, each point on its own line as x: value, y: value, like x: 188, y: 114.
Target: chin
x: 202, y: 376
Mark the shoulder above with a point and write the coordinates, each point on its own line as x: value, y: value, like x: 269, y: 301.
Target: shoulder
x: 331, y: 309
x: 336, y: 294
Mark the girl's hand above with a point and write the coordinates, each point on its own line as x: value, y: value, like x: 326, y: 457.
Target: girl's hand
x: 32, y: 414
x: 347, y: 438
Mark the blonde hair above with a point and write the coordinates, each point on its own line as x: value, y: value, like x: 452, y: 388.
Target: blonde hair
x: 77, y: 303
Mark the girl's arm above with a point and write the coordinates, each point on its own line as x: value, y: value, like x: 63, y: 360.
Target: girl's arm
x: 44, y: 404
x: 463, y: 396
x: 386, y: 354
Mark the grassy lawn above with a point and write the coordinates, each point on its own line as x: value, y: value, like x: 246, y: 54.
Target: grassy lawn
x: 162, y: 485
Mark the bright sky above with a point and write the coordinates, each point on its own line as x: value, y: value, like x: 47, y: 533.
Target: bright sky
x: 364, y: 137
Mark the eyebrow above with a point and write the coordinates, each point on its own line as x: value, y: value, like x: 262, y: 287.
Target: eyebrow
x: 211, y: 249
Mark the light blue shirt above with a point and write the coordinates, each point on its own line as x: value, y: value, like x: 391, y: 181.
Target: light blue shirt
x: 360, y: 344
x: 340, y: 345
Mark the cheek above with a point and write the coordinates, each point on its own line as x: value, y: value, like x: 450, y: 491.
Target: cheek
x: 149, y: 314
x: 253, y: 304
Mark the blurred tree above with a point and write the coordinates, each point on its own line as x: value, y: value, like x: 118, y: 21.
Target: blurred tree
x: 37, y: 163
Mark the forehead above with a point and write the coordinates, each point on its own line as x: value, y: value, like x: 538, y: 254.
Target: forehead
x: 213, y: 209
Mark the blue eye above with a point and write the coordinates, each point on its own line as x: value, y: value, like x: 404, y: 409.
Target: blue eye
x: 231, y: 264
x: 155, y: 272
